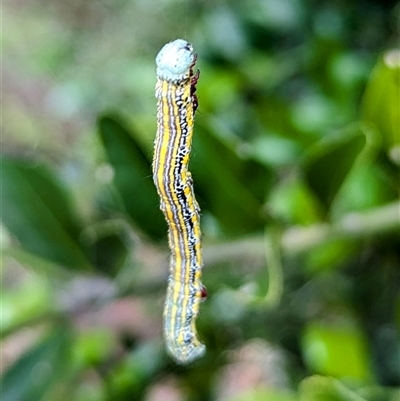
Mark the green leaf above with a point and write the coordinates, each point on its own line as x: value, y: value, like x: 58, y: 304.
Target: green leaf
x: 328, y: 162
x: 293, y: 202
x: 35, y: 209
x: 367, y: 186
x: 330, y: 255
x: 230, y: 187
x: 319, y: 388
x: 276, y: 151
x: 382, y: 98
x: 262, y: 394
x: 133, y: 179
x: 136, y: 371
x: 378, y: 393
x: 33, y: 374
x: 24, y: 302
x: 337, y: 350
x: 93, y: 346
x: 41, y: 265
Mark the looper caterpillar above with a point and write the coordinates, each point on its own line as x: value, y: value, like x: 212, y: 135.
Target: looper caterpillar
x: 176, y: 105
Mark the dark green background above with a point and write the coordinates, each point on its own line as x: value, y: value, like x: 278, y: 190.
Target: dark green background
x: 296, y: 133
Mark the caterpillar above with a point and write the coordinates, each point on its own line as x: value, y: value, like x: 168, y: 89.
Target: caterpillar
x: 176, y: 106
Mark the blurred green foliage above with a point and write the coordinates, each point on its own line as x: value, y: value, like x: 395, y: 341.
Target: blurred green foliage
x: 298, y: 127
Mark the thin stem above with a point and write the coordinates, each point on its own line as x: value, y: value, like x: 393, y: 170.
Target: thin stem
x: 274, y: 265
x: 297, y: 240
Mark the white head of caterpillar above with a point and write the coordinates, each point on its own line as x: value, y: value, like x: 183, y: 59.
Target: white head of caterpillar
x: 174, y: 60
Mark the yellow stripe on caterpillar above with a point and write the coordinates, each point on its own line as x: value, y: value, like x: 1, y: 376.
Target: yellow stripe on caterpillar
x: 176, y: 106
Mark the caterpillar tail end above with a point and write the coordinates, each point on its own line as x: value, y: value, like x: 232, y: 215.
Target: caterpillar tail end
x: 184, y: 354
